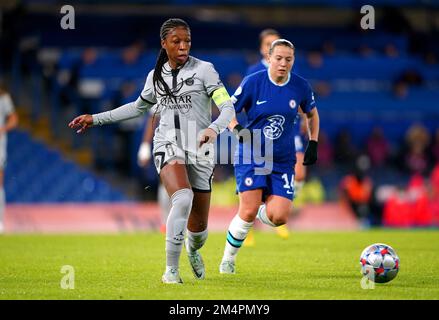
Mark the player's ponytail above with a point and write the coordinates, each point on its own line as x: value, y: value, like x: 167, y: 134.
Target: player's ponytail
x: 157, y: 78
x: 162, y: 58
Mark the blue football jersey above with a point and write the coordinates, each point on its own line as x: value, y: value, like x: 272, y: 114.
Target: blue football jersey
x: 272, y: 109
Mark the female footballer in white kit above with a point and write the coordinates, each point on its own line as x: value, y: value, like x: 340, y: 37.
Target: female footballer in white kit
x: 183, y: 88
x: 8, y: 121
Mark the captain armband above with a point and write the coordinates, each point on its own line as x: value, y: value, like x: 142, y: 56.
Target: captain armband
x: 220, y: 96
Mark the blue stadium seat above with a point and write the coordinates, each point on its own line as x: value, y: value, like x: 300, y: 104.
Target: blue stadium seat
x: 36, y: 173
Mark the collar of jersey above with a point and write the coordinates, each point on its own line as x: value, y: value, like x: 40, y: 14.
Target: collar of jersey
x: 167, y: 65
x: 279, y: 85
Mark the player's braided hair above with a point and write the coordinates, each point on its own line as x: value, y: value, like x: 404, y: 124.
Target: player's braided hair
x: 159, y: 82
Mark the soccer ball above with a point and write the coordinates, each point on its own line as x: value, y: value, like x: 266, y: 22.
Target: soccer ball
x: 379, y: 263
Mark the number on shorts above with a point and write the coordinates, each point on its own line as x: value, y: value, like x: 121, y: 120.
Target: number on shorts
x: 158, y: 159
x: 288, y: 184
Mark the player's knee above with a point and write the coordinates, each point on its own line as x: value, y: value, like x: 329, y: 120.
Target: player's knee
x: 248, y: 213
x: 182, y: 199
x: 278, y: 217
x: 278, y: 221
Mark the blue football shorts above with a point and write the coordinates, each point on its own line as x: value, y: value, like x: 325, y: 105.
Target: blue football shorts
x: 279, y: 183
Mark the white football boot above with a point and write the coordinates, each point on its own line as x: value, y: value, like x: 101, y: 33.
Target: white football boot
x: 196, y: 262
x: 227, y: 267
x: 171, y: 276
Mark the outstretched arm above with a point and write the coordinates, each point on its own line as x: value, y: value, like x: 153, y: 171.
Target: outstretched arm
x: 128, y: 111
x: 125, y: 112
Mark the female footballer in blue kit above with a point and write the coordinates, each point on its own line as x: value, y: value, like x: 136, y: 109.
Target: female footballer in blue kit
x: 271, y: 99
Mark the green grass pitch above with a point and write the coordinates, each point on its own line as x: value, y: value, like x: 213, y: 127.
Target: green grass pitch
x: 309, y: 265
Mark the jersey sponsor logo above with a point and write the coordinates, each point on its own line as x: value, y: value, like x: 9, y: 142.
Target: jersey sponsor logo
x: 275, y: 129
x: 260, y: 102
x: 182, y: 103
x: 293, y: 104
x: 248, y: 181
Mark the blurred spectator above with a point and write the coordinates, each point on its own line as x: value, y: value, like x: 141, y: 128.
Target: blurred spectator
x: 326, y: 152
x: 400, y: 90
x: 434, y: 149
x: 365, y: 51
x: 89, y: 56
x: 131, y: 54
x: 357, y: 191
x: 434, y: 180
x: 414, y: 206
x: 266, y: 37
x: 378, y: 148
x: 411, y: 77
x: 126, y: 130
x: 391, y: 51
x: 68, y: 80
x: 345, y: 150
x: 315, y: 59
x: 416, y: 160
x: 322, y: 88
x: 417, y: 134
x: 416, y: 187
x: 413, y: 155
x: 418, y: 200
x: 328, y: 48
x: 434, y: 195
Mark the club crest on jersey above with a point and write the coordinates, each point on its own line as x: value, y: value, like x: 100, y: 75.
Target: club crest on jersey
x: 248, y: 181
x: 275, y: 128
x: 292, y: 103
x: 190, y: 81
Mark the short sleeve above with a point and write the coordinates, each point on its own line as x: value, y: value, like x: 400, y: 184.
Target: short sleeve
x: 148, y: 93
x: 211, y: 79
x: 8, y: 104
x: 308, y: 103
x: 241, y: 96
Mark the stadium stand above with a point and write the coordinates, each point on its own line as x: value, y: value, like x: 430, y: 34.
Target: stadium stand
x: 37, y: 174
x: 381, y: 78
